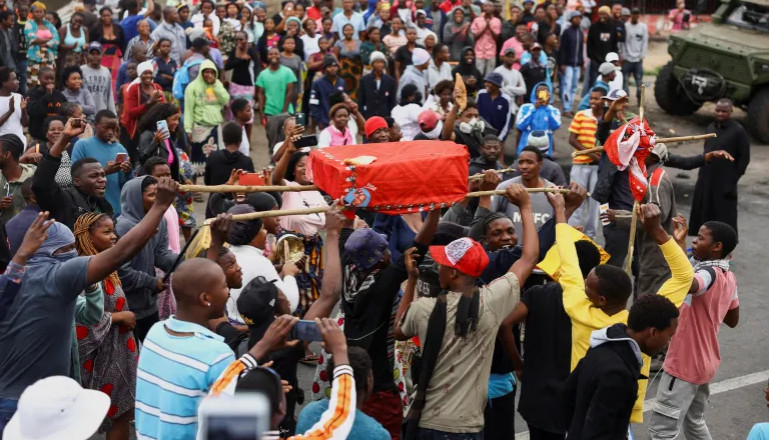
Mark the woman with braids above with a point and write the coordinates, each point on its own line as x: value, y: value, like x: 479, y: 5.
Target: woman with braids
x: 292, y: 165
x: 107, y: 350
x: 171, y: 146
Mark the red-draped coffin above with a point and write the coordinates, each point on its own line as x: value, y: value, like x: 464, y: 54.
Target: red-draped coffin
x: 405, y: 176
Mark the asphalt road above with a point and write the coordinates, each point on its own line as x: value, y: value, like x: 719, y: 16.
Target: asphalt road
x: 737, y: 401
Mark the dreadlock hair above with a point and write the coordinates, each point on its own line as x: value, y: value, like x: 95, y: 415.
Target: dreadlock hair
x: 84, y: 225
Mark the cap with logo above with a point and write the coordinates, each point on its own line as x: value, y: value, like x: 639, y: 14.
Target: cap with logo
x: 615, y: 95
x: 365, y: 247
x: 465, y: 255
x: 256, y: 304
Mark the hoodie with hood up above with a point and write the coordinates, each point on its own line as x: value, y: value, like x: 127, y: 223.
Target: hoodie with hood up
x: 600, y: 393
x: 202, y: 101
x: 138, y: 275
x: 530, y: 118
x: 14, y: 190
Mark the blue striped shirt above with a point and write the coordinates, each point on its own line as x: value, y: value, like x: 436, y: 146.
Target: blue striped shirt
x: 174, y: 375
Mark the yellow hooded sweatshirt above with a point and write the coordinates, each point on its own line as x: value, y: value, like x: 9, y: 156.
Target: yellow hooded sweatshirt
x: 585, y: 318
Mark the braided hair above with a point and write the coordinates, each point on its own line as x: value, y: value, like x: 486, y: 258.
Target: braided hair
x: 83, y: 227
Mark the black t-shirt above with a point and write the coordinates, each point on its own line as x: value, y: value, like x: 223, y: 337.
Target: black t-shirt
x: 403, y: 55
x: 547, y: 350
x: 367, y: 317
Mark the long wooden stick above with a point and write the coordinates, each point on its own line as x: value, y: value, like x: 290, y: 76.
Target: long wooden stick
x: 669, y: 140
x: 321, y: 209
x: 631, y: 240
x: 499, y: 192
x: 245, y: 188
x: 479, y: 176
x: 634, y: 213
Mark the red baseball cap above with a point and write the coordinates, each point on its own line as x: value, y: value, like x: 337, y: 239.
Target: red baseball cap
x: 427, y: 120
x: 464, y: 254
x: 373, y: 124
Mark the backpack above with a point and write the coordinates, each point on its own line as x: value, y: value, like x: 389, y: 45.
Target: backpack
x: 182, y: 78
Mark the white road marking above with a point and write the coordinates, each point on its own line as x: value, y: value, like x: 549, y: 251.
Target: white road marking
x: 716, y: 388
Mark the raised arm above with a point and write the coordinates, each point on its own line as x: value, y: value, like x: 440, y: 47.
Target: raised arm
x: 409, y: 258
x: 679, y: 284
x: 331, y: 286
x: 522, y: 268
x: 104, y: 263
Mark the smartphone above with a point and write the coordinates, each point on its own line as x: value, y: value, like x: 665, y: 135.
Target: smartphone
x: 251, y: 179
x: 163, y: 126
x: 306, y: 331
x: 300, y: 119
x: 306, y: 141
x: 121, y: 157
x: 239, y: 417
x: 603, y: 208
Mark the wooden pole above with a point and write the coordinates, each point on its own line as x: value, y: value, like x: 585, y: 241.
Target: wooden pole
x: 634, y: 214
x: 245, y: 188
x: 499, y: 192
x: 669, y: 140
x: 321, y: 209
x: 479, y: 176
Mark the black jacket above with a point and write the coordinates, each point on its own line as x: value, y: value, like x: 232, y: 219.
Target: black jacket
x: 601, y: 39
x: 220, y: 164
x: 42, y: 105
x: 600, y: 393
x: 65, y: 205
x: 373, y: 101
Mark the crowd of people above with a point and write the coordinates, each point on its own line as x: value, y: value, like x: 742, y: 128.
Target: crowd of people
x: 121, y: 311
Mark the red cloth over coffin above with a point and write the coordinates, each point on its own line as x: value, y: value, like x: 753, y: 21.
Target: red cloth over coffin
x: 405, y: 177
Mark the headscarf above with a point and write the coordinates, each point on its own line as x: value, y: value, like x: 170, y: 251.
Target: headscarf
x: 143, y: 67
x: 59, y: 236
x: 38, y: 5
x: 243, y: 232
x: 296, y: 19
x: 83, y: 241
x: 261, y: 201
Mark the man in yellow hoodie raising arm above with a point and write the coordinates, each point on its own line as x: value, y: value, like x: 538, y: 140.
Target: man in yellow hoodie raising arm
x: 600, y: 300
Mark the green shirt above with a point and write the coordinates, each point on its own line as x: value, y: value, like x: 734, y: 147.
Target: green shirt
x: 274, y: 84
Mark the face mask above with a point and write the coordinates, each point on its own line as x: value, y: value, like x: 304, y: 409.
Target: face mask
x: 474, y: 125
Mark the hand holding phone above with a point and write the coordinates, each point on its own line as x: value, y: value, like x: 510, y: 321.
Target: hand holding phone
x: 306, y: 331
x: 121, y: 157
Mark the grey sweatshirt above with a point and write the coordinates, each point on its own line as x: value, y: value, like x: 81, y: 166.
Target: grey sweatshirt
x: 82, y: 97
x: 138, y: 275
x: 636, y: 42
x: 99, y: 83
x: 542, y: 209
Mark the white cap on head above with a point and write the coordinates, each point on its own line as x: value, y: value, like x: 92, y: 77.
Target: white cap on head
x: 661, y: 151
x: 57, y: 408
x: 611, y: 57
x: 377, y: 55
x: 606, y: 68
x: 420, y: 56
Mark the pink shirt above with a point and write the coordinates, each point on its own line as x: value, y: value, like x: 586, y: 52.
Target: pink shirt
x: 485, y: 46
x: 308, y: 224
x: 694, y: 354
x: 519, y: 50
x: 172, y: 224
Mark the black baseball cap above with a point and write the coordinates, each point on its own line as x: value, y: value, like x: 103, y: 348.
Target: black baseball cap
x: 256, y: 305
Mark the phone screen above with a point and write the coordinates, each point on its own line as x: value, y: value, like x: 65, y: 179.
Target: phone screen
x: 306, y: 331
x: 232, y: 427
x: 121, y: 157
x: 301, y: 119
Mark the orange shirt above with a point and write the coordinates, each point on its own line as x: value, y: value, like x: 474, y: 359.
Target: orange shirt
x: 584, y: 125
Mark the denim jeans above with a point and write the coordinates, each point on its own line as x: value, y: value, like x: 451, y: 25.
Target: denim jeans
x: 570, y: 81
x: 7, y: 410
x: 637, y: 70
x: 432, y: 434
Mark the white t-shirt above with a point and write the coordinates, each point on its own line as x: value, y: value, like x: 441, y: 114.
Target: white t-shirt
x: 13, y: 124
x: 406, y: 116
x: 254, y: 264
x: 245, y: 145
x: 310, y: 45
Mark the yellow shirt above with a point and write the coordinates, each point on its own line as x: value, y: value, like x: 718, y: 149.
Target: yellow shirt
x: 585, y: 318
x: 584, y: 126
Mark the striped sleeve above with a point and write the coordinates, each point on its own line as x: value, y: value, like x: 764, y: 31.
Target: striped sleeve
x: 336, y: 422
x: 705, y: 278
x: 227, y: 380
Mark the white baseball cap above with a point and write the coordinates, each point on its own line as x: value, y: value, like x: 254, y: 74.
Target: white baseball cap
x: 611, y: 57
x: 57, y: 408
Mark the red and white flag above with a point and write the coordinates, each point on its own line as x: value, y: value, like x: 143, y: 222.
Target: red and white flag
x: 627, y: 148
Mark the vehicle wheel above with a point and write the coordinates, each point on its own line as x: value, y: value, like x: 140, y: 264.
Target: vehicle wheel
x: 758, y: 115
x: 669, y: 96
